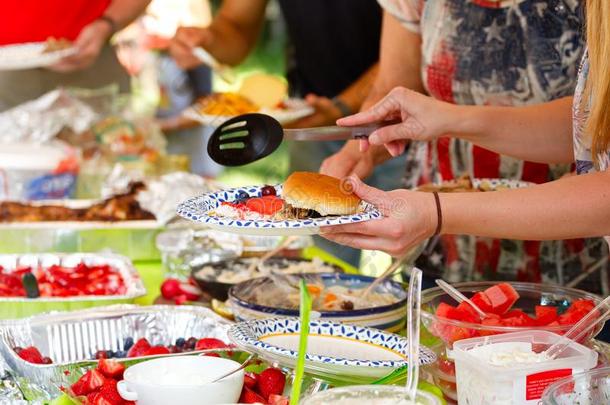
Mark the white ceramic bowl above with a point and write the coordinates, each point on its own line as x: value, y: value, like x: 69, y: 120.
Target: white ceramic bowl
x: 182, y: 380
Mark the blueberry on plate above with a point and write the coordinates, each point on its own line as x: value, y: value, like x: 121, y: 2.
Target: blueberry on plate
x: 180, y: 342
x: 242, y: 196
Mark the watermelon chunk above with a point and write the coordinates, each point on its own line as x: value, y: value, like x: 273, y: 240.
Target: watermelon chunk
x: 467, y: 309
x: 517, y: 317
x: 481, y: 301
x: 545, y: 314
x: 459, y: 314
x: 502, y: 297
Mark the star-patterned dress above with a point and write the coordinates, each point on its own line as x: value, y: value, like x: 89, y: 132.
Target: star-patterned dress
x: 507, y: 53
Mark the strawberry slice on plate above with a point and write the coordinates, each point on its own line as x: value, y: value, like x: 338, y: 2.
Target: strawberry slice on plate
x: 91, y: 381
x: 111, y: 368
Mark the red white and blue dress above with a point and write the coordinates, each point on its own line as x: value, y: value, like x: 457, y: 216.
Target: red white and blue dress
x: 506, y: 53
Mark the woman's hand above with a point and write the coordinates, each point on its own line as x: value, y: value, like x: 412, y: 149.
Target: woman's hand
x: 422, y: 118
x: 182, y: 44
x: 351, y: 161
x: 88, y: 47
x: 409, y: 219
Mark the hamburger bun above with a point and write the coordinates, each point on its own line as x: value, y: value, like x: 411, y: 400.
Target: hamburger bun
x: 321, y: 193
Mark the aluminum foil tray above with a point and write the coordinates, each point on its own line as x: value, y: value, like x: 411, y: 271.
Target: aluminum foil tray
x: 71, y: 339
x: 20, y: 307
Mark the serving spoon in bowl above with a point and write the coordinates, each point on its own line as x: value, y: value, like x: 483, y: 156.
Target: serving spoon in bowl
x: 249, y: 137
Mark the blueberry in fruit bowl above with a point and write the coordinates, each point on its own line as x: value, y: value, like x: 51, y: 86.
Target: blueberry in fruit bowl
x: 127, y: 343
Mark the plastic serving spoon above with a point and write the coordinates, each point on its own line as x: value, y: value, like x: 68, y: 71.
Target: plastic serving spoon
x: 224, y: 71
x: 249, y: 137
x: 413, y: 318
x: 458, y: 296
x: 299, y: 370
x: 580, y: 329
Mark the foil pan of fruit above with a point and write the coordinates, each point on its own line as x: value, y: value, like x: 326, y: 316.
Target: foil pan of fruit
x: 50, y: 351
x: 34, y: 283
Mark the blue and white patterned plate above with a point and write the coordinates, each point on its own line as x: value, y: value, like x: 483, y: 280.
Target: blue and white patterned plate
x: 333, y: 349
x: 198, y: 209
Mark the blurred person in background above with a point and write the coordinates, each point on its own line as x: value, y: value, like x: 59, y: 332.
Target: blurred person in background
x: 179, y: 88
x: 335, y: 48
x: 89, y: 24
x: 489, y: 53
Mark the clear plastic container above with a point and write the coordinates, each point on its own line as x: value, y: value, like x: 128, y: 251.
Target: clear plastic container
x: 481, y: 383
x: 590, y: 388
x: 371, y: 395
x: 37, y: 172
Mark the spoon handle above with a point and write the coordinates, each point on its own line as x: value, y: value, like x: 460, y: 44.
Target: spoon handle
x: 243, y: 365
x: 258, y: 263
x: 458, y: 296
x: 413, y: 319
x: 581, y: 328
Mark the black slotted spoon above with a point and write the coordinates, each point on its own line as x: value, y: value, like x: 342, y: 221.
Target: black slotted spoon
x: 249, y: 137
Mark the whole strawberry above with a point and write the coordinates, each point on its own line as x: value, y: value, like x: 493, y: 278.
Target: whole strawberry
x: 271, y: 382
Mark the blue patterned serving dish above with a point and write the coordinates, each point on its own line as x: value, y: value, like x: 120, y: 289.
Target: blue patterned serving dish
x: 344, y: 352
x: 201, y: 209
x: 246, y: 306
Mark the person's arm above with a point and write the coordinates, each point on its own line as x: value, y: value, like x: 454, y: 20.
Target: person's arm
x: 539, y: 133
x: 327, y: 112
x: 124, y: 12
x: 399, y: 65
x: 91, y: 39
x: 572, y: 207
x: 229, y: 38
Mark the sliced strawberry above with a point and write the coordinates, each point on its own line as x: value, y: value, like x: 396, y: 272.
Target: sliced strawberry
x: 210, y: 343
x: 156, y: 350
x: 250, y: 397
x: 111, y: 368
x: 250, y: 380
x: 271, y: 381
x: 91, y: 381
x: 278, y: 400
x: 100, y: 399
x: 170, y: 288
x: 109, y: 392
x: 31, y: 355
x: 139, y: 348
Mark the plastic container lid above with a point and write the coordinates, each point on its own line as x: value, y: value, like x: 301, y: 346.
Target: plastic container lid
x: 480, y: 383
x: 31, y: 156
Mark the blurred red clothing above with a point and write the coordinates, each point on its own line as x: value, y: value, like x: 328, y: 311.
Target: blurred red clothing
x: 36, y: 20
